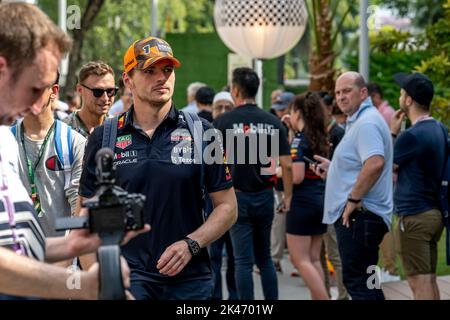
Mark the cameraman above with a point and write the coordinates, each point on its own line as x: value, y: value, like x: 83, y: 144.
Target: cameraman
x: 171, y: 262
x: 31, y: 47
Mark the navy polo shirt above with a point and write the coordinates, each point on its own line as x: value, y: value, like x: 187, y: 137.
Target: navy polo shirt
x: 173, y: 206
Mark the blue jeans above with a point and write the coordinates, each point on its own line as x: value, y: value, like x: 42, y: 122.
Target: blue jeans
x: 251, y: 243
x: 358, y: 247
x: 215, y: 254
x: 193, y: 289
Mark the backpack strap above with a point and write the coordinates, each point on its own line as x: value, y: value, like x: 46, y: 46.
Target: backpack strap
x: 14, y: 127
x: 110, y: 133
x: 195, y: 129
x: 445, y: 179
x: 64, y: 150
x: 444, y: 196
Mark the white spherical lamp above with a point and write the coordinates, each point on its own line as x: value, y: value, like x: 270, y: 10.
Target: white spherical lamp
x: 260, y: 29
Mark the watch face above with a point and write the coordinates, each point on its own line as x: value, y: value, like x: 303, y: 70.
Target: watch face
x: 195, y: 247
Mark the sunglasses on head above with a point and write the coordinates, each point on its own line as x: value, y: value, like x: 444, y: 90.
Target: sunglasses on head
x: 110, y: 92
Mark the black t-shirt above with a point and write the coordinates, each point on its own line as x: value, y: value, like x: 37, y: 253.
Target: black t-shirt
x: 205, y: 114
x: 250, y: 131
x: 300, y: 147
x: 420, y: 154
x: 173, y: 206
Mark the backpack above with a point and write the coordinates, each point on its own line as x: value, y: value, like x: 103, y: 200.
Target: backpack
x: 109, y: 141
x: 445, y: 193
x: 63, y: 147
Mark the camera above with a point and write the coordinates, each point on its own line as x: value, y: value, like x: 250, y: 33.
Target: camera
x: 112, y: 209
x: 112, y: 212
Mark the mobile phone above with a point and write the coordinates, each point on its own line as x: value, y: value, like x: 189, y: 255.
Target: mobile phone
x: 280, y: 206
x: 309, y: 160
x: 314, y: 163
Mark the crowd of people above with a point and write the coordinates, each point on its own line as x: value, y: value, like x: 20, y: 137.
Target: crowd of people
x: 320, y: 175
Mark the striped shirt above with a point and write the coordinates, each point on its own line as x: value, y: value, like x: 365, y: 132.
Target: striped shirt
x: 28, y: 231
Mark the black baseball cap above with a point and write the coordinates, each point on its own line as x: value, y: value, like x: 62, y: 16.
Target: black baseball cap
x: 205, y: 95
x: 417, y: 85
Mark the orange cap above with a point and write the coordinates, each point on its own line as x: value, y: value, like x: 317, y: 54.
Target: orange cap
x: 143, y: 53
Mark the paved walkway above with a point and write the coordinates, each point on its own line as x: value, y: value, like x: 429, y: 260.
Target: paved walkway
x: 289, y: 288
x: 293, y: 288
x: 400, y: 290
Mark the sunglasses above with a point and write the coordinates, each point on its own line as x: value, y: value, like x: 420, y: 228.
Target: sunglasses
x: 110, y: 92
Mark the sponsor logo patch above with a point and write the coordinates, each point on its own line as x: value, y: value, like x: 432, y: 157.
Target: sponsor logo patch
x: 126, y: 157
x: 124, y: 141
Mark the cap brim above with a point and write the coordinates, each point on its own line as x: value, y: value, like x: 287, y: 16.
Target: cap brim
x: 279, y: 107
x: 150, y: 62
x: 400, y: 78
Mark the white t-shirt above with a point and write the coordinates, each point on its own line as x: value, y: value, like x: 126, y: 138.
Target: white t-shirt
x: 28, y: 230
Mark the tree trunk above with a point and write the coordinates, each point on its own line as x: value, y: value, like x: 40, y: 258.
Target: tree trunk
x: 87, y: 20
x: 322, y: 56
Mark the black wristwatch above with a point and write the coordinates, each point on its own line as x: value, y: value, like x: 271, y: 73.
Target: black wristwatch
x: 350, y: 199
x: 193, y: 246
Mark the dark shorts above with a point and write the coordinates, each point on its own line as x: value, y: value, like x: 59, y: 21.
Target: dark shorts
x: 306, y: 214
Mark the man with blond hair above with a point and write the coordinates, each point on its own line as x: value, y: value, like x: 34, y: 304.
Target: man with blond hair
x: 96, y: 86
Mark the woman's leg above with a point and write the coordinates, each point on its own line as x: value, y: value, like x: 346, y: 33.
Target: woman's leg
x: 300, y: 253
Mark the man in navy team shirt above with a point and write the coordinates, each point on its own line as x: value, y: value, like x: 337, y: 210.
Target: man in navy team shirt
x: 171, y: 261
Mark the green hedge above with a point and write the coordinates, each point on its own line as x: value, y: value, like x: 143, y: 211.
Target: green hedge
x: 204, y: 58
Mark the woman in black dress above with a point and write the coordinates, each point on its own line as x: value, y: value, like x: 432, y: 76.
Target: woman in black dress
x: 304, y: 225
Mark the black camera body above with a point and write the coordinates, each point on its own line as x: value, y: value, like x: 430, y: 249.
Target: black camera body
x: 112, y: 210
x: 115, y: 210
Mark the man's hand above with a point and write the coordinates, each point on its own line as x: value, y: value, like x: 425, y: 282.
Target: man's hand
x: 285, y: 205
x: 287, y: 120
x: 134, y: 233
x: 396, y: 121
x: 174, y: 259
x: 81, y: 242
x: 321, y: 168
x: 349, y: 208
x: 90, y: 281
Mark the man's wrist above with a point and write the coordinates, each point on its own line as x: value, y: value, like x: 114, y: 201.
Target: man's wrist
x: 193, y: 246
x: 353, y: 200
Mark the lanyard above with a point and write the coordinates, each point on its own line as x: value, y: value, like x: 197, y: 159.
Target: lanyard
x: 32, y: 167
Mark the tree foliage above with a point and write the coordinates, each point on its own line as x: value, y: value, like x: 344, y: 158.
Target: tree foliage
x: 424, y: 12
x: 326, y: 22
x: 120, y: 22
x: 434, y: 43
